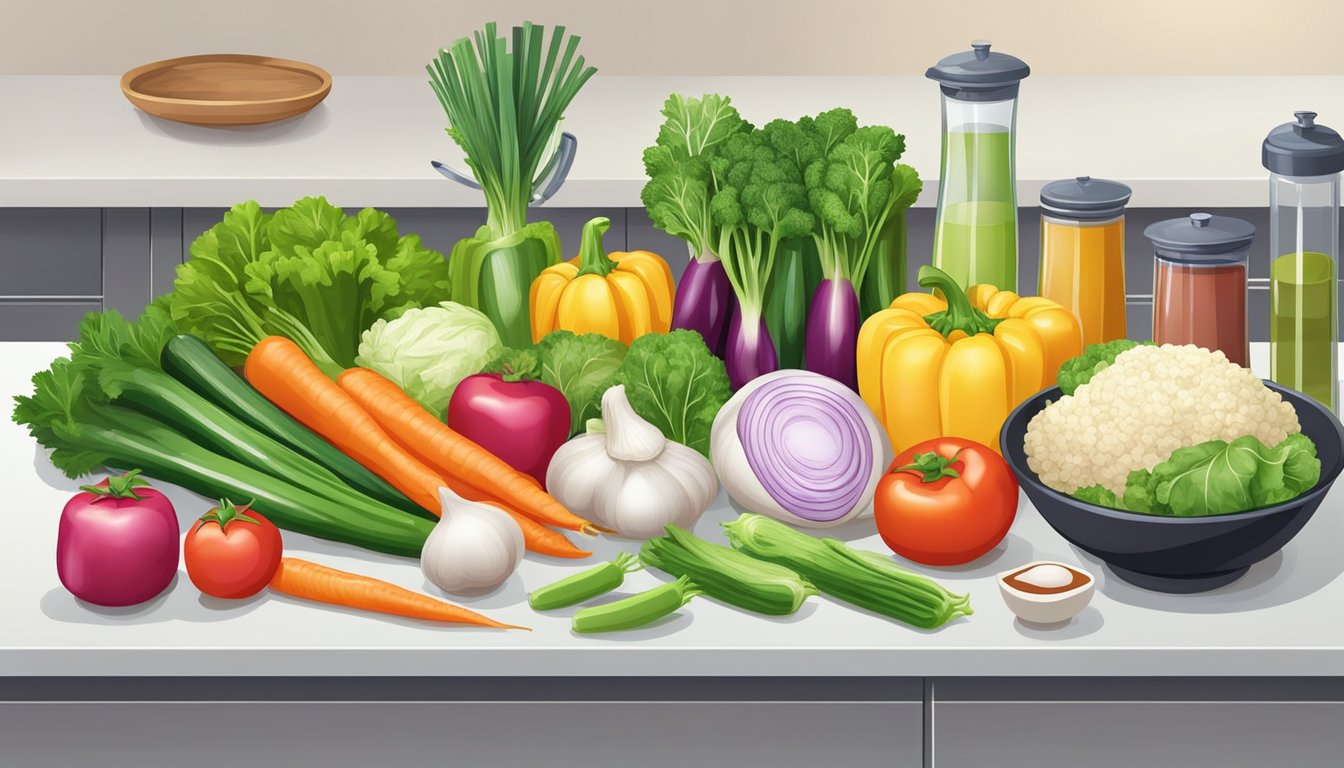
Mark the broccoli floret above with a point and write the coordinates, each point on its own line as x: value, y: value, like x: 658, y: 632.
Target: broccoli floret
x: 1077, y: 371
x: 760, y: 201
x: 853, y: 184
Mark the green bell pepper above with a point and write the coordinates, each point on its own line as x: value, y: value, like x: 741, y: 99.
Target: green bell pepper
x: 496, y: 276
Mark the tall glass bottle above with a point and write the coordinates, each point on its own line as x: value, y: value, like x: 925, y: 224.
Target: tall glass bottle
x: 1304, y: 161
x: 975, y: 237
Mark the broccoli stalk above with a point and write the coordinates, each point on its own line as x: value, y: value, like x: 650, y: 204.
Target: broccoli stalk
x: 760, y: 200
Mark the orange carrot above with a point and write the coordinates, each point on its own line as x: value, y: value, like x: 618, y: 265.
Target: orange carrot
x: 319, y: 583
x: 443, y: 449
x: 537, y: 537
x: 280, y: 370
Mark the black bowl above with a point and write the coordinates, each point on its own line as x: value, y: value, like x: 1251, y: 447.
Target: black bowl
x: 1178, y: 554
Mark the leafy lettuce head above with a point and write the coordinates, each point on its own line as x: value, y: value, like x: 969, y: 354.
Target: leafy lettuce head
x: 428, y: 351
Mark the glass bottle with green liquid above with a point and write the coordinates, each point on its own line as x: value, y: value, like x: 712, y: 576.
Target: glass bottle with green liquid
x: 1304, y: 160
x: 975, y: 237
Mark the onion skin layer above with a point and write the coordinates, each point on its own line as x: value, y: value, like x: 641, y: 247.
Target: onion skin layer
x: 784, y: 481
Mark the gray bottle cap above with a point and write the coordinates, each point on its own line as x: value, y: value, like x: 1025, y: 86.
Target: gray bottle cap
x: 1201, y: 238
x: 1085, y: 198
x: 979, y: 74
x: 1303, y: 148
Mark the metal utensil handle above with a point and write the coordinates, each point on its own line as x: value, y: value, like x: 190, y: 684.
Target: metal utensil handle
x: 453, y: 175
x: 550, y: 180
x: 555, y: 173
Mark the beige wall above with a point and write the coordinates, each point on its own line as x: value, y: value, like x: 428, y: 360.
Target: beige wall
x: 637, y: 37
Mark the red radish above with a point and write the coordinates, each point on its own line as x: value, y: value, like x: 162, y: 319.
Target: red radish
x: 118, y: 542
x: 512, y: 415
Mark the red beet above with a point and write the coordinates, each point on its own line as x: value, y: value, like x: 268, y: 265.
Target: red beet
x: 521, y: 422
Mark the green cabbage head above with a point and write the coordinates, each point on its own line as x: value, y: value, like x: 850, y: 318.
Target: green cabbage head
x: 428, y: 351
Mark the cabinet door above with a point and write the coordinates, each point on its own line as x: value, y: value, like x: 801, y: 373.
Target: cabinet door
x: 1187, y: 723
x: 51, y: 252
x: 337, y: 734
x: 51, y: 271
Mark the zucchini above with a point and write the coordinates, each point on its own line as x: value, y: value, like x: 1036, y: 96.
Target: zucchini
x: 191, y: 361
x: 726, y: 574
x: 865, y: 579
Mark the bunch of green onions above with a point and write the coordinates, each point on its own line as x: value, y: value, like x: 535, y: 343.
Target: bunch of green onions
x: 503, y: 109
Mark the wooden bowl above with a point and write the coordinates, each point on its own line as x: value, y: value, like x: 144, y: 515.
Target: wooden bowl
x: 226, y: 89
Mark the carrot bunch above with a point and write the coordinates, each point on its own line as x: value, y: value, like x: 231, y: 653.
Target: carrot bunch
x: 374, y: 422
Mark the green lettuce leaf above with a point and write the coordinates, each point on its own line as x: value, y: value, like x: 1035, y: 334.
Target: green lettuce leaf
x: 1077, y: 371
x: 582, y: 367
x: 674, y: 382
x: 1217, y: 478
x: 1099, y: 495
x: 1141, y: 493
x: 308, y: 272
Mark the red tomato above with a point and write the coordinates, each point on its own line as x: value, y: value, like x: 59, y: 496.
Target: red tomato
x: 232, y: 552
x: 945, y: 501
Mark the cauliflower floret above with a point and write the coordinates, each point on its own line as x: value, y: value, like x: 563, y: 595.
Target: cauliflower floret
x: 1149, y: 402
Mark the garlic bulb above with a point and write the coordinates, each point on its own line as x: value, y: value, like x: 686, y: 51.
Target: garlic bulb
x: 630, y: 478
x: 474, y: 548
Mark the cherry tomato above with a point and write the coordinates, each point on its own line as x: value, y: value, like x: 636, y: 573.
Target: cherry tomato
x: 232, y: 552
x: 945, y: 501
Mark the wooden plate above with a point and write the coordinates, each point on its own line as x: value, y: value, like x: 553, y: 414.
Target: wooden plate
x: 226, y: 89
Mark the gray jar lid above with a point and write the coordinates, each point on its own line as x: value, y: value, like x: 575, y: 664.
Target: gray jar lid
x: 1303, y: 148
x: 979, y: 74
x: 1200, y: 237
x: 1085, y: 198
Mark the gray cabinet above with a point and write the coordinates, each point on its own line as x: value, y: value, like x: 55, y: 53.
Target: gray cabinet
x: 1116, y: 723
x: 358, y: 722
x: 57, y: 264
x: 357, y: 735
x: 51, y: 271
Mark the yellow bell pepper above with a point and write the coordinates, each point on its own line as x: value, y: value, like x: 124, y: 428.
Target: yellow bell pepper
x: 619, y: 295
x: 932, y: 368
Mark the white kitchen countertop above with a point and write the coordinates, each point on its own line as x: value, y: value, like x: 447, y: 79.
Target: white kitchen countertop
x: 1186, y: 142
x: 1282, y: 618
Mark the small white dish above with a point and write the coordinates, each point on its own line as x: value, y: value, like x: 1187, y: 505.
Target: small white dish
x: 1050, y: 607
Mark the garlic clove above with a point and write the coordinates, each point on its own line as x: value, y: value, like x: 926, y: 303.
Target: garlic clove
x: 629, y: 436
x: 474, y: 548
x: 642, y: 500
x: 694, y: 473
x: 578, y: 473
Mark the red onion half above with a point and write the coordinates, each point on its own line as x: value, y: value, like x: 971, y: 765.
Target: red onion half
x: 800, y: 447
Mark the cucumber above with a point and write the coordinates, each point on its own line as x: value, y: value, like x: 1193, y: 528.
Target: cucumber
x: 191, y: 361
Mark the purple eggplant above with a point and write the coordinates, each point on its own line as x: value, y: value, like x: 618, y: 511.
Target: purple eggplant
x: 833, y: 332
x: 704, y: 302
x: 750, y: 352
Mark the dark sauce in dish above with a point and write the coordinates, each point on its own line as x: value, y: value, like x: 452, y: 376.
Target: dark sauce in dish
x: 1078, y: 579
